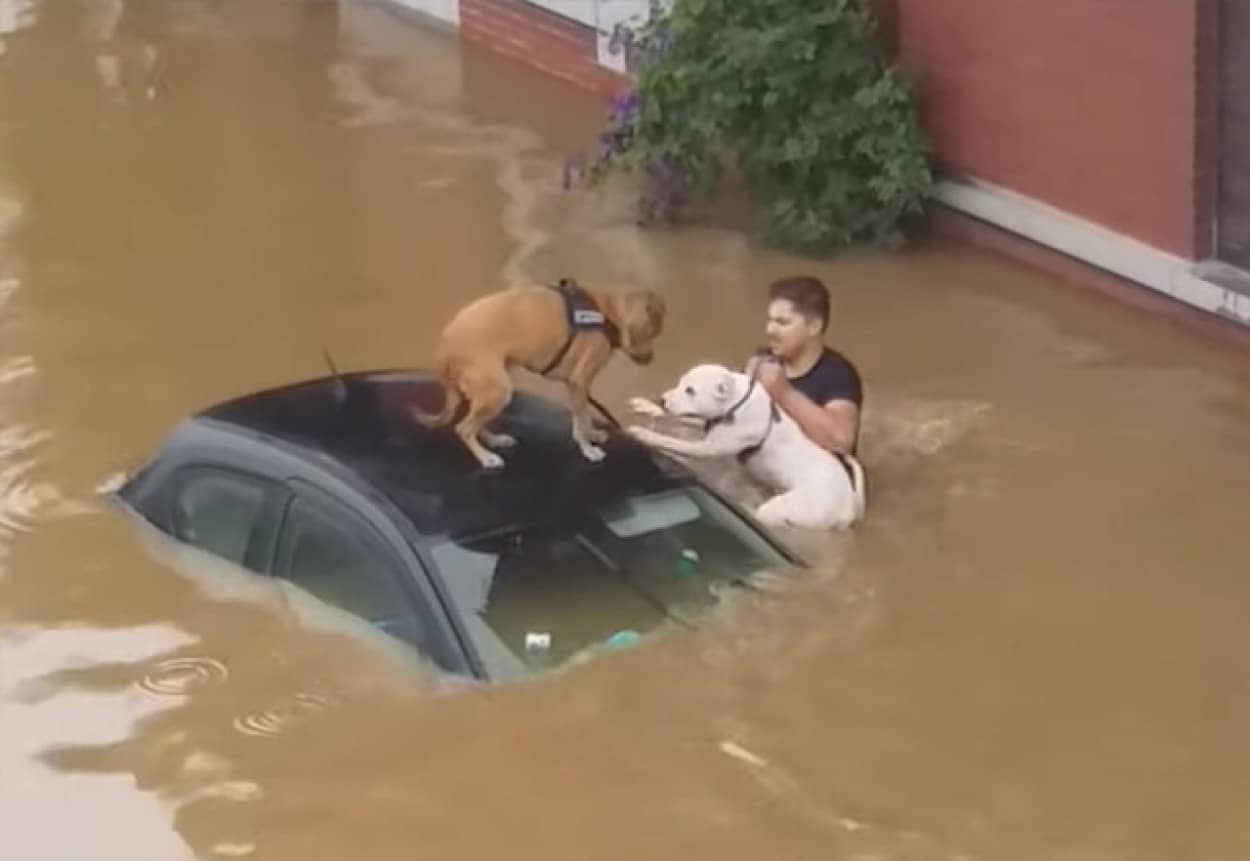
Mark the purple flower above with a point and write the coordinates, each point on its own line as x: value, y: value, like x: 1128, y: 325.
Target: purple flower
x: 625, y: 106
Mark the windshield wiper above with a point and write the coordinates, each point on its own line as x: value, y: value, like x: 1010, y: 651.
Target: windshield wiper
x: 617, y: 568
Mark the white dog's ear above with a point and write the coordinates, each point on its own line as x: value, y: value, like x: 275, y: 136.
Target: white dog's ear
x: 723, y: 387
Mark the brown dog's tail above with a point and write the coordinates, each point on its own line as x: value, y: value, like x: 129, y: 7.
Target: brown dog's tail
x: 451, y: 402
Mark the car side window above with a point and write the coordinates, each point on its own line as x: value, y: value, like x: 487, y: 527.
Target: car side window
x: 217, y: 511
x: 330, y: 552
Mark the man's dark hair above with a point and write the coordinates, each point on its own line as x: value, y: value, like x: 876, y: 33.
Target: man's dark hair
x: 808, y: 295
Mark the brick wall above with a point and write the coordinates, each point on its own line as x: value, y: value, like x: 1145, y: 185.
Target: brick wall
x: 1089, y: 105
x: 542, y: 40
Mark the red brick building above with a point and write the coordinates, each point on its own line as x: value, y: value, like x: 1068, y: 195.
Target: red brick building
x: 1115, y: 133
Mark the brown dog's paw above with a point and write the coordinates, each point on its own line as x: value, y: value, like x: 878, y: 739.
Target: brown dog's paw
x: 592, y: 453
x: 490, y: 460
x: 497, y: 440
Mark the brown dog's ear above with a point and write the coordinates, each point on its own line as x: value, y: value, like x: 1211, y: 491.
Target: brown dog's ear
x: 643, y: 318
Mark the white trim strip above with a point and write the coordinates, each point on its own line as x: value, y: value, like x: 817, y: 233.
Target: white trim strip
x: 447, y: 11
x: 1099, y: 246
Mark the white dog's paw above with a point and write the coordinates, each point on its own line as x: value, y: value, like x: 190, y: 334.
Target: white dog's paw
x: 644, y: 407
x: 773, y: 513
x: 642, y: 434
x: 597, y: 435
x: 771, y: 519
x: 592, y: 453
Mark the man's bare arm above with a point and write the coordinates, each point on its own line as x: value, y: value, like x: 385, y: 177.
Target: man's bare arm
x: 833, y: 426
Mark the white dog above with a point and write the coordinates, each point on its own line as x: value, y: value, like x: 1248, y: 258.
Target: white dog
x: 817, y: 489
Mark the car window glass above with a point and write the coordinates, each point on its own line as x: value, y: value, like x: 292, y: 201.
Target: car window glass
x: 217, y: 512
x: 547, y: 593
x: 544, y: 584
x: 332, y: 555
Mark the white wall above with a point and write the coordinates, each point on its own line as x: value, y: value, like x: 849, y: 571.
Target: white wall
x: 601, y: 14
x: 444, y: 10
x: 609, y: 14
x: 582, y: 11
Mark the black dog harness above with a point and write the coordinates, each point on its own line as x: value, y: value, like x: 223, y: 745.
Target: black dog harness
x: 583, y: 316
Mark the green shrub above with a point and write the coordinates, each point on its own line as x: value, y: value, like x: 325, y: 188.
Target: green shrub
x: 795, y: 95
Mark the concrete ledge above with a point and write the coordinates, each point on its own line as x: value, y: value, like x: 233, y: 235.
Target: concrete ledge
x: 1180, y: 279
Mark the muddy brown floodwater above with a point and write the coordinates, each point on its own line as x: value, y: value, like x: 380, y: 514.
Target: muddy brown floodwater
x: 1034, y: 648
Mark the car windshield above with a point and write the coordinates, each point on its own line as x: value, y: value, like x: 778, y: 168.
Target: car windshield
x: 537, y: 596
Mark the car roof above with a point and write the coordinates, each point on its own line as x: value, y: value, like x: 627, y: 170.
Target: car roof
x: 361, y: 421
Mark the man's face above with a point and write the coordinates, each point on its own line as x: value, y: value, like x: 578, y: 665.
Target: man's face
x: 789, y: 331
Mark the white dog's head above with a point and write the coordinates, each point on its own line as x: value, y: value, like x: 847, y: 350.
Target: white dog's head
x: 705, y: 392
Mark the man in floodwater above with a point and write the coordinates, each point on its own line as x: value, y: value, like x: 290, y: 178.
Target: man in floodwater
x: 816, y: 385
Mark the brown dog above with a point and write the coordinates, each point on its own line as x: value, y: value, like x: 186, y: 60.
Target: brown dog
x: 547, y: 330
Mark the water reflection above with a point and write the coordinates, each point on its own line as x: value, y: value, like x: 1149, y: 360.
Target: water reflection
x: 126, y: 62
x: 14, y: 15
x: 18, y: 441
x: 43, y: 706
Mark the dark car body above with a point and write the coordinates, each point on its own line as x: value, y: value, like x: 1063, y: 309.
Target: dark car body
x: 330, y: 485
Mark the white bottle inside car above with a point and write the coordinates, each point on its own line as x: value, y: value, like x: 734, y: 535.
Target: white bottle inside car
x: 538, y: 649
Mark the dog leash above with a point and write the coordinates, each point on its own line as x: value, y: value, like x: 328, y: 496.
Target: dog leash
x: 604, y: 412
x: 732, y: 412
x: 747, y: 453
x: 774, y: 417
x: 730, y: 415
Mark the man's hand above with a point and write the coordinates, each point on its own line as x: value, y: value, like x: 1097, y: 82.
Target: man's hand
x: 832, y: 426
x: 753, y: 363
x: 772, y: 377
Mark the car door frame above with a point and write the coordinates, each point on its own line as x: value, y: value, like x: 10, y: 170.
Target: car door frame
x: 414, y: 577
x: 258, y: 556
x: 207, y: 443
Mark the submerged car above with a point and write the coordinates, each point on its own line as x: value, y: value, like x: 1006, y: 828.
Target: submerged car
x: 329, y: 485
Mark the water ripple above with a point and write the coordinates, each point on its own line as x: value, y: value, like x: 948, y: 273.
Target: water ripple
x: 178, y: 677
x: 353, y: 88
x: 281, y: 717
x: 8, y: 284
x: 20, y: 499
x: 111, y: 484
x: 16, y: 368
